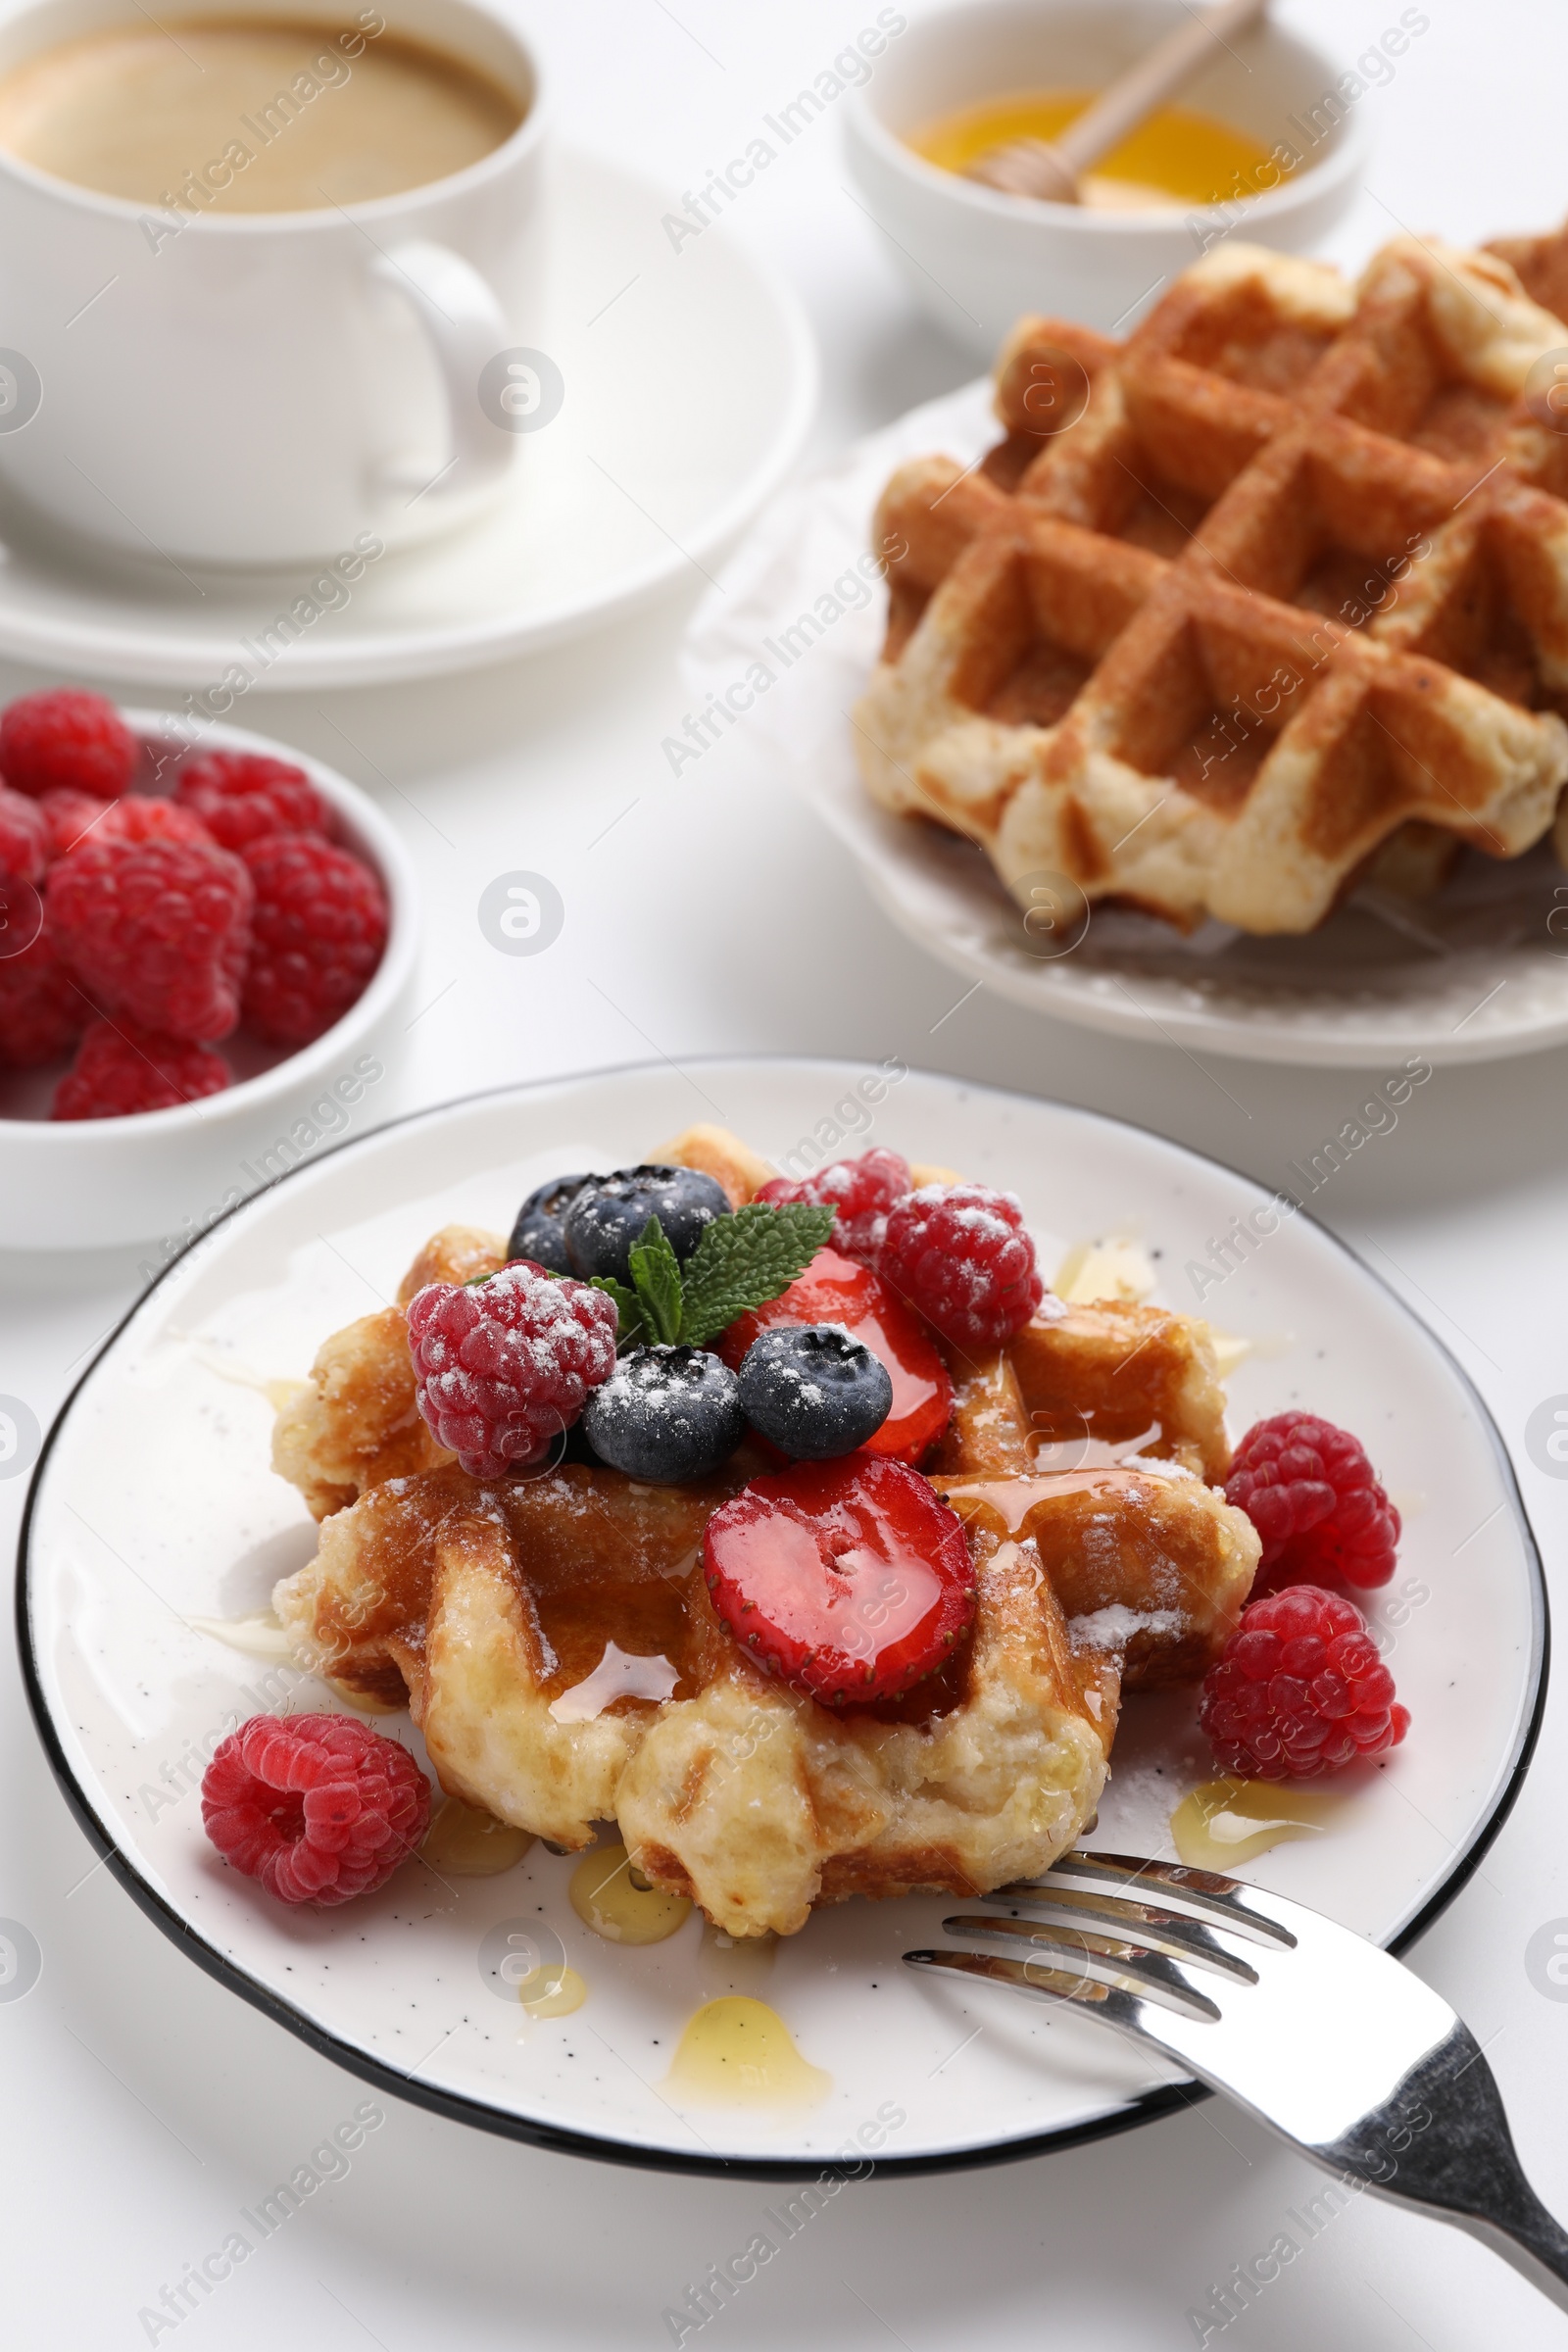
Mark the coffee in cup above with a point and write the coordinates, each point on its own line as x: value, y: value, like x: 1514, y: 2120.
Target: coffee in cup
x: 257, y: 273
x: 251, y: 114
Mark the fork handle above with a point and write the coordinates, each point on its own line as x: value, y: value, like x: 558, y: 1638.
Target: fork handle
x: 1442, y: 2143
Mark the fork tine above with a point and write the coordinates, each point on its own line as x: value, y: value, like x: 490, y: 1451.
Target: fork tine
x: 1163, y: 1931
x: 1223, y: 1899
x: 1128, y: 1967
x: 1027, y: 1976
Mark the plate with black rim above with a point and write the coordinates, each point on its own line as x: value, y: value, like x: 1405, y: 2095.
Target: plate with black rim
x: 154, y: 1508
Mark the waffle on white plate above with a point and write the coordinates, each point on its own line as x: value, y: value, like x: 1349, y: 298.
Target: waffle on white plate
x: 557, y: 1644
x: 1267, y: 599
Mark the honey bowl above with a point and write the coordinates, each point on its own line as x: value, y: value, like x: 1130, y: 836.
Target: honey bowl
x: 1288, y: 135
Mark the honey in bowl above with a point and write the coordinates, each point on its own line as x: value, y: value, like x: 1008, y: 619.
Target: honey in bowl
x: 1176, y: 157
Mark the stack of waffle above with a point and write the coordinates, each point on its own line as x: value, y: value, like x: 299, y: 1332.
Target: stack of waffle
x: 1270, y: 597
x: 554, y: 1637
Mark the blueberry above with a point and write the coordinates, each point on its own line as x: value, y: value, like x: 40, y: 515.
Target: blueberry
x: 540, y: 1230
x: 813, y: 1390
x: 666, y: 1415
x: 606, y: 1219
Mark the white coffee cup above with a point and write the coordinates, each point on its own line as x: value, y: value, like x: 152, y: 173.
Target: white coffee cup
x: 259, y: 388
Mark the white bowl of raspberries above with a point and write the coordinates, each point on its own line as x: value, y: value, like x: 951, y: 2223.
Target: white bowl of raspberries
x: 206, y: 942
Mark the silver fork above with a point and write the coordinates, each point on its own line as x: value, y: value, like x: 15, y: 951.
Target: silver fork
x: 1396, y: 2100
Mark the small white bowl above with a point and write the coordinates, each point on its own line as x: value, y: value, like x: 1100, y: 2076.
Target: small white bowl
x: 164, y: 1176
x: 977, y: 260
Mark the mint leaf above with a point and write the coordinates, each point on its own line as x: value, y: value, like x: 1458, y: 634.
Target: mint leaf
x: 745, y: 1260
x: 655, y: 1271
x: 629, y: 1309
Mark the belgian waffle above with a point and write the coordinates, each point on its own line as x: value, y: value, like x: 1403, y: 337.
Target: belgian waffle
x: 1290, y: 598
x: 555, y: 1638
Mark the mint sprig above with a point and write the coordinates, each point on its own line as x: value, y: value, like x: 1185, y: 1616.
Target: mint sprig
x: 656, y: 1278
x: 745, y: 1260
x: 741, y: 1262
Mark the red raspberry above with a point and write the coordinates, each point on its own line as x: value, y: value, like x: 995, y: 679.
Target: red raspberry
x: 73, y: 817
x: 70, y: 817
x: 862, y: 1191
x: 1299, y: 1689
x: 138, y: 818
x: 1314, y: 1498
x: 242, y: 796
x: 157, y: 930
x: 319, y: 1807
x: 839, y: 1290
x: 23, y: 838
x: 502, y: 1366
x: 850, y: 1579
x: 320, y: 926
x: 120, y: 1069
x: 43, y: 1011
x: 64, y: 738
x: 960, y: 1255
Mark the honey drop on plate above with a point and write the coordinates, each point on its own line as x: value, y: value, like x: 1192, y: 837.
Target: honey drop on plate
x: 551, y: 1992
x: 1229, y: 1821
x: 607, y: 1898
x: 737, y: 2052
x: 466, y: 1843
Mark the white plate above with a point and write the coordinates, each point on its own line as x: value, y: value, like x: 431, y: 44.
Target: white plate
x: 154, y: 1504
x: 689, y: 380
x: 1479, y: 972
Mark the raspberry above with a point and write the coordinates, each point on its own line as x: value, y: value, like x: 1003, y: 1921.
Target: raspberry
x: 320, y: 926
x: 73, y: 817
x: 64, y: 738
x: 122, y: 1070
x: 1299, y: 1689
x: 862, y: 1191
x: 502, y: 1366
x: 242, y: 796
x: 1314, y: 1498
x: 319, y: 1807
x: 70, y: 817
x: 23, y: 838
x: 960, y: 1253
x: 850, y: 1579
x: 43, y: 1011
x: 157, y: 930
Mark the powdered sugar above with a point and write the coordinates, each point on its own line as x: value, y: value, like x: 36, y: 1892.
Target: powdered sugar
x: 1112, y: 1628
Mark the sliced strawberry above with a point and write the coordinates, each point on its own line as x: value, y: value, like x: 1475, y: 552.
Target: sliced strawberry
x: 850, y: 1579
x: 835, y: 1290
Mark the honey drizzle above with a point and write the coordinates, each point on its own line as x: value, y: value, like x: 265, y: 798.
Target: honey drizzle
x: 1011, y: 1499
x: 737, y: 2052
x: 1228, y: 1821
x: 606, y: 1898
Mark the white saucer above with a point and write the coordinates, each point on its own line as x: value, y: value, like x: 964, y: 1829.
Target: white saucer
x: 155, y: 1505
x: 690, y: 381
x: 1476, y: 973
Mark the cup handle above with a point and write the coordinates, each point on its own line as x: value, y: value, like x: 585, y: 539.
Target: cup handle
x: 465, y: 327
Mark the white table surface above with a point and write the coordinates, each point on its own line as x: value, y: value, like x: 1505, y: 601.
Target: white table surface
x: 144, y: 2104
